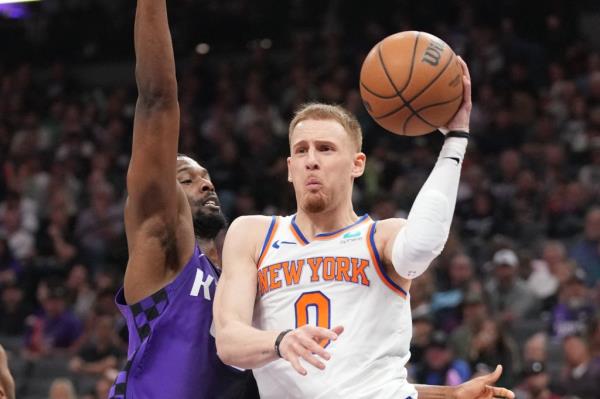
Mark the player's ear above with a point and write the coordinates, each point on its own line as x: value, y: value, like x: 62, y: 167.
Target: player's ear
x: 289, y: 159
x: 358, y: 167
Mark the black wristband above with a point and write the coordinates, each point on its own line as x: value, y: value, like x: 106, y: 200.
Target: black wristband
x: 458, y: 133
x: 278, y: 341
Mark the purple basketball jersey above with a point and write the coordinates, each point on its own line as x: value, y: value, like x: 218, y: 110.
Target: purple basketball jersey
x: 172, y: 353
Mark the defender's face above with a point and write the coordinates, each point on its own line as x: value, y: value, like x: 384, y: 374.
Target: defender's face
x: 197, y: 186
x: 323, y: 164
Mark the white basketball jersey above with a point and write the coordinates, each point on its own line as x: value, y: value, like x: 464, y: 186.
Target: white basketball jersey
x: 336, y: 279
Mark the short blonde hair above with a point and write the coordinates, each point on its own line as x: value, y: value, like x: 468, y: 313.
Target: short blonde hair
x: 320, y: 111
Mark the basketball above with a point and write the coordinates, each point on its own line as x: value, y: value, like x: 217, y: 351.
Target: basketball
x: 411, y: 83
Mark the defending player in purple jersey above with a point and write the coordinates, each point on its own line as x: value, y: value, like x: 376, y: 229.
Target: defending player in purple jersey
x: 172, y: 216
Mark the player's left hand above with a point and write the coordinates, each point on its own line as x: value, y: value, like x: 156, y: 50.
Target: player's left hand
x: 461, y: 119
x: 482, y: 387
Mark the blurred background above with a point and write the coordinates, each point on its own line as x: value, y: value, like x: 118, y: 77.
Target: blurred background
x: 519, y: 280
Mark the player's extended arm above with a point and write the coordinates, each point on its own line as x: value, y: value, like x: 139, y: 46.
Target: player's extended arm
x: 477, y: 388
x: 238, y: 343
x: 151, y: 181
x: 427, y: 227
x: 154, y: 198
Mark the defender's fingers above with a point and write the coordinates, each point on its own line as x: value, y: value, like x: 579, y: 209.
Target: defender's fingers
x: 501, y: 392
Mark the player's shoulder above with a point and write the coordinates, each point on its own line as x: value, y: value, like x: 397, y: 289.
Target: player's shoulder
x: 251, y: 225
x: 389, y: 227
x: 256, y: 221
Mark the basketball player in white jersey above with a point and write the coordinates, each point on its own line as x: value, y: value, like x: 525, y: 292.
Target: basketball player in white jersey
x: 291, y: 285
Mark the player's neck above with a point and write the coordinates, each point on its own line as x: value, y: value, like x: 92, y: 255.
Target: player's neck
x: 327, y: 221
x: 209, y: 248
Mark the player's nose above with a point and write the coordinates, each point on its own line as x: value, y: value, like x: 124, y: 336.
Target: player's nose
x: 311, y: 161
x: 206, y: 185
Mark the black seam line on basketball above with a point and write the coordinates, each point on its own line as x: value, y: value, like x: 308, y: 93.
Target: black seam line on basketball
x: 377, y: 95
x: 434, y: 79
x: 412, y: 62
x: 410, y: 72
x: 387, y: 98
x: 424, y: 89
x: 435, y: 105
x: 440, y: 103
x: 395, y: 88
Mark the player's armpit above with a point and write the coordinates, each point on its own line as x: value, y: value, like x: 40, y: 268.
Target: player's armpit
x: 238, y: 343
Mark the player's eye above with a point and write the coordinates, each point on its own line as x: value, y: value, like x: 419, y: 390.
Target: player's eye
x: 326, y: 148
x: 186, y: 182
x: 301, y: 150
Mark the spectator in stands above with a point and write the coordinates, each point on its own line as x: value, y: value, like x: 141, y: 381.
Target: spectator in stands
x: 101, y: 351
x: 7, y: 384
x: 543, y: 280
x: 99, y: 226
x: 535, y: 383
x: 474, y: 314
x: 13, y: 310
x: 586, y: 251
x: 492, y: 345
x: 581, y: 374
x: 510, y: 299
x: 55, y: 241
x: 574, y: 309
x: 13, y: 221
x: 535, y: 348
x: 440, y: 366
x: 422, y: 331
x: 62, y: 388
x: 82, y: 295
x: 55, y: 330
x: 10, y: 267
x: 460, y: 282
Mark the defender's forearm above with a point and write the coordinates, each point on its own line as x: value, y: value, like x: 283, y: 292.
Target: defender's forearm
x: 435, y: 392
x: 155, y: 62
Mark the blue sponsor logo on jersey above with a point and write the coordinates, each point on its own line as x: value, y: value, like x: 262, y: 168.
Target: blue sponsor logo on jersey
x: 278, y: 243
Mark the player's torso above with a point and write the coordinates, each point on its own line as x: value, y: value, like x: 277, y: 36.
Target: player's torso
x: 172, y: 352
x: 334, y: 280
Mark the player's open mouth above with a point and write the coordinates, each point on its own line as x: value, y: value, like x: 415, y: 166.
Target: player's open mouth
x: 212, y: 203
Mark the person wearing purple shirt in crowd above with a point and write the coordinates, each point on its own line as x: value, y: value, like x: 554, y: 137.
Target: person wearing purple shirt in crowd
x: 586, y: 251
x: 172, y: 216
x: 56, y: 329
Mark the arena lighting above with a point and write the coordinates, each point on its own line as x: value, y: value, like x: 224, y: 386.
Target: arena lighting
x: 17, y: 1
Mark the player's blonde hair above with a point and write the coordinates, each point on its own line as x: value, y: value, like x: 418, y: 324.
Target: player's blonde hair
x: 320, y: 111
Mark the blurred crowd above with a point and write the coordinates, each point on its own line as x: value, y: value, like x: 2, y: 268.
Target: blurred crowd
x: 518, y: 283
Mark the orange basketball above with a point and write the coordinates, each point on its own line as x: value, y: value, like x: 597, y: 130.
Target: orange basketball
x: 411, y: 83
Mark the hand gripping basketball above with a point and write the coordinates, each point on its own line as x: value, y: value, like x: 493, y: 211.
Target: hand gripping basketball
x: 460, y: 121
x: 303, y: 342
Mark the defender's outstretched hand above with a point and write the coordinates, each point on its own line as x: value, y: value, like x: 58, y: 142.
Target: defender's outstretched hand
x: 482, y: 387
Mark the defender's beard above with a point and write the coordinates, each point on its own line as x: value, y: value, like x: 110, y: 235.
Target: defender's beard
x: 208, y: 224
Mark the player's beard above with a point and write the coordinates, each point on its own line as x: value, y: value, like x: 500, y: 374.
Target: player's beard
x: 315, y: 202
x: 208, y: 224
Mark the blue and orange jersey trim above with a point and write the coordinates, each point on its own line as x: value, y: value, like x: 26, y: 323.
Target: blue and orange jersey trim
x: 325, y: 236
x: 297, y: 233
x: 379, y: 265
x: 268, y: 239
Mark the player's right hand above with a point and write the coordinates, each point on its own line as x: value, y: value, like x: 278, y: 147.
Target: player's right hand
x: 303, y: 342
